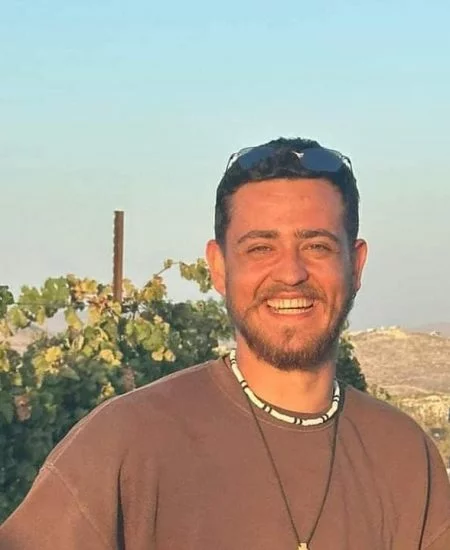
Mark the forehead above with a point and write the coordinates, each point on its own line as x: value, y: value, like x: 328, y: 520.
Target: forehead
x: 300, y: 203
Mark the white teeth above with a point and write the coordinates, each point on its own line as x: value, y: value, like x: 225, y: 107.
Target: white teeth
x: 287, y: 304
x: 286, y: 311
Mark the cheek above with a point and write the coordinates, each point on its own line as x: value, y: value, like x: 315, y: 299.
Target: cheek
x: 343, y: 285
x: 244, y: 281
x: 333, y: 280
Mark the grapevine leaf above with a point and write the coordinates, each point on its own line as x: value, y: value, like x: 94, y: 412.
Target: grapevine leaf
x: 158, y: 355
x: 17, y: 318
x: 40, y: 316
x: 6, y: 407
x: 68, y: 372
x: 72, y: 319
x: 94, y: 315
x: 6, y: 299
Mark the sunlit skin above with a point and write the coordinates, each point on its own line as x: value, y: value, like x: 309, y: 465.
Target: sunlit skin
x: 286, y: 235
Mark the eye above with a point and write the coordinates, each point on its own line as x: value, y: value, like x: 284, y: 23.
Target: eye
x: 259, y: 249
x: 319, y: 247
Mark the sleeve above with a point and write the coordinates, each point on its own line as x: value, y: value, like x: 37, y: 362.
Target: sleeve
x: 96, y: 490
x: 49, y: 518
x: 436, y: 534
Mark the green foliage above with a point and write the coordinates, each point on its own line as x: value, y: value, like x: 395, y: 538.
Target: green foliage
x: 106, y: 349
x: 6, y: 299
x: 348, y: 367
x: 431, y: 413
x: 197, y: 272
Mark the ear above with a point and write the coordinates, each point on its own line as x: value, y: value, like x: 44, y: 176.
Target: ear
x: 359, y: 260
x: 216, y: 263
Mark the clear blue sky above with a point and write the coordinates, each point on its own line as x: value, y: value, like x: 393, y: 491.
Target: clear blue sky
x: 136, y: 105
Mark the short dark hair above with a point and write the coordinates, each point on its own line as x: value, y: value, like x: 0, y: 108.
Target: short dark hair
x: 236, y: 177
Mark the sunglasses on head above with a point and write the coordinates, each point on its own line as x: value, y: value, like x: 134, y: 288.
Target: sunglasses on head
x: 314, y: 159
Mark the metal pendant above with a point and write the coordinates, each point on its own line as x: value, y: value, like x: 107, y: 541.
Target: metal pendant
x: 303, y: 546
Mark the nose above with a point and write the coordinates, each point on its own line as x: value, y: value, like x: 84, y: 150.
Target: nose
x: 290, y: 269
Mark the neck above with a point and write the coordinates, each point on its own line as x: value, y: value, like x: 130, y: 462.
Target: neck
x: 299, y: 391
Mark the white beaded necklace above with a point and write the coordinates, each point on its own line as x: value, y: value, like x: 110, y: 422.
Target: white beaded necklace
x: 291, y: 419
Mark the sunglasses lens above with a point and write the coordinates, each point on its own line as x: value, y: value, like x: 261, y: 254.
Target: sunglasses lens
x: 314, y: 159
x: 252, y: 157
x: 320, y: 160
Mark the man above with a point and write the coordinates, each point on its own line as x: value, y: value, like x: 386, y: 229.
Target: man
x: 263, y: 449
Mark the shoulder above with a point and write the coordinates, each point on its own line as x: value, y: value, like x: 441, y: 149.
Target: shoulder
x: 180, y: 387
x: 388, y: 447
x: 380, y: 425
x: 364, y: 410
x: 118, y: 424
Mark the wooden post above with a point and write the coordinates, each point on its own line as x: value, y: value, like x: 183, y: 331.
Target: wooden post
x: 118, y: 255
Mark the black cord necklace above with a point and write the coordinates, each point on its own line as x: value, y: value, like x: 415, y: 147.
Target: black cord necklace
x: 300, y: 545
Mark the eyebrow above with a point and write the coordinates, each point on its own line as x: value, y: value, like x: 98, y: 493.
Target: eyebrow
x: 314, y: 233
x: 301, y: 234
x: 259, y: 234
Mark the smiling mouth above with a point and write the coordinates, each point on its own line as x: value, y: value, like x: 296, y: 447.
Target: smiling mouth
x: 291, y: 306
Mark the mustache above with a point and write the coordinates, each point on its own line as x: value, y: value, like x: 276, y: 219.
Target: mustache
x: 303, y: 290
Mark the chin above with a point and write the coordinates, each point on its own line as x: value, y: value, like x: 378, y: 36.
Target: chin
x: 290, y: 348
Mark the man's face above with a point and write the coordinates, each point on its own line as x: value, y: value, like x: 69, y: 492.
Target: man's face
x: 288, y: 271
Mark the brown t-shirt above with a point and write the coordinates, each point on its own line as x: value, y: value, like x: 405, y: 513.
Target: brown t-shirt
x: 179, y: 465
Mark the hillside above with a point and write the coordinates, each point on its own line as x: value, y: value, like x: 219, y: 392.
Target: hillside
x: 442, y: 328
x: 404, y: 362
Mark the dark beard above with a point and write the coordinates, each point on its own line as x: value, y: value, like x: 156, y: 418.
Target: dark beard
x: 313, y: 353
